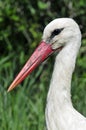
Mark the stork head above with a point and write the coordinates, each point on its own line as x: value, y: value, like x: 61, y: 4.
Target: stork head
x: 61, y: 32
x: 56, y: 35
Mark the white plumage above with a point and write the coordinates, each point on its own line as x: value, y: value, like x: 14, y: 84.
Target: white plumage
x: 60, y: 114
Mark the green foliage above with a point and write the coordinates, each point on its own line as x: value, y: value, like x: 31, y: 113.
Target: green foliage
x: 21, y: 26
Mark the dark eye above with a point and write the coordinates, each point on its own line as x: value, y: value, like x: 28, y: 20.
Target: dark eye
x: 56, y: 32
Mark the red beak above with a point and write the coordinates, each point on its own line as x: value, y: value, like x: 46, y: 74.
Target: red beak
x: 39, y: 55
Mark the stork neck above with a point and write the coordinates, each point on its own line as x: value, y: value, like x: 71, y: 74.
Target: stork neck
x: 62, y: 74
x: 59, y: 97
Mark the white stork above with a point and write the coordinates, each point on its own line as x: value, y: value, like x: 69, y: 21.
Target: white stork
x: 61, y: 35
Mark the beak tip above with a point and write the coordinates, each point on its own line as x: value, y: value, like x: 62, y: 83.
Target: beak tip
x: 9, y: 89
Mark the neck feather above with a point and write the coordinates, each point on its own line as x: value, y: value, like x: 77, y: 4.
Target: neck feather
x: 59, y: 97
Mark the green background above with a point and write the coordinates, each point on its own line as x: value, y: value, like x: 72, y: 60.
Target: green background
x: 21, y: 26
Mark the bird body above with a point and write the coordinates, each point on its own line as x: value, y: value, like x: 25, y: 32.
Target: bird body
x: 64, y: 35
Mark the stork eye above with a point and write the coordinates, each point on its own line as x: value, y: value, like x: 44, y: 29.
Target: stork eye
x: 56, y: 32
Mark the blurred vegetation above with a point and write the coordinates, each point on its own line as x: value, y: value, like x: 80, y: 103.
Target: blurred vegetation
x: 21, y: 27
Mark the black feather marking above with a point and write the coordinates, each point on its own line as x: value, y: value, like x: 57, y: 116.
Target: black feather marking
x: 56, y: 32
